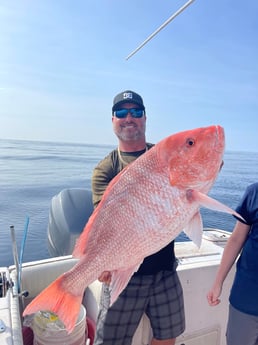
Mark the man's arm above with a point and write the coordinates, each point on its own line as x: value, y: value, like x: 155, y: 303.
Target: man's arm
x: 101, y: 176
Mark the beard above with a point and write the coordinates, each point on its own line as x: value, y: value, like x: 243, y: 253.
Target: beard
x: 130, y: 134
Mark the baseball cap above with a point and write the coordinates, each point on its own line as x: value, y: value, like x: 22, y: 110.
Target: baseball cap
x: 127, y: 96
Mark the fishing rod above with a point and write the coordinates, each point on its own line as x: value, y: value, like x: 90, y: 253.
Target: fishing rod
x: 14, y: 247
x: 160, y: 28
x: 17, y: 261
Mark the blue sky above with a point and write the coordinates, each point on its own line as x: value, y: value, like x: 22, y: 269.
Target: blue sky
x: 62, y: 62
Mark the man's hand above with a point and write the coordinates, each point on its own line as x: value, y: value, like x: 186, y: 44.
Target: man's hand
x: 105, y: 277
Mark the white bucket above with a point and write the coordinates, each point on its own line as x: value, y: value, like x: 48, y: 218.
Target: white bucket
x: 48, y: 330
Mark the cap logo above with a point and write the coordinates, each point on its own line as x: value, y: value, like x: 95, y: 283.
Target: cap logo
x: 127, y: 95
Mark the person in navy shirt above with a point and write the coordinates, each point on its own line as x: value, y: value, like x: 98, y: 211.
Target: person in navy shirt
x: 242, y: 328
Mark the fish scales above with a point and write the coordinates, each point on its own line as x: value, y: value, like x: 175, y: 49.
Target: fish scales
x: 143, y: 208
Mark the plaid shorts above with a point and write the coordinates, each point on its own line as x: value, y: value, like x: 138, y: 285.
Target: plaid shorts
x: 160, y: 296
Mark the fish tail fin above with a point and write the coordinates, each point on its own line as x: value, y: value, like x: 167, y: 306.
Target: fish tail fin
x: 57, y: 299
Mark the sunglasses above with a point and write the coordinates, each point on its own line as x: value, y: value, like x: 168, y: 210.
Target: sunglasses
x: 122, y: 113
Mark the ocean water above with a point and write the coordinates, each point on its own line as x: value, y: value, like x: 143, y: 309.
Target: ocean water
x: 33, y: 172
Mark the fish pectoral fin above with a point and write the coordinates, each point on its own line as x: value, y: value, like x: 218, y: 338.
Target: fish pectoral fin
x: 119, y: 281
x: 194, y: 229
x: 208, y: 202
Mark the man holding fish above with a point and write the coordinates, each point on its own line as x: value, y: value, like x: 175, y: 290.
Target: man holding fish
x: 154, y: 288
x: 143, y: 209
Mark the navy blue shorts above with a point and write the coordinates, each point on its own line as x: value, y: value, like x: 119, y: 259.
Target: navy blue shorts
x: 160, y: 296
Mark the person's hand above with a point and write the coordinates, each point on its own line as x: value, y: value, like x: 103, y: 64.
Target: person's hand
x: 105, y: 277
x: 213, y: 295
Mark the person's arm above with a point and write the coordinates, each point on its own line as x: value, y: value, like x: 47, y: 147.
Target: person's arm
x: 231, y: 251
x: 101, y: 176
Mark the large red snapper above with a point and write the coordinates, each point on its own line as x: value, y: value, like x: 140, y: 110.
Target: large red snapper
x: 144, y: 208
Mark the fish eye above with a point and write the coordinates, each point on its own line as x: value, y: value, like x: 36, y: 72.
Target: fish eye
x: 190, y: 141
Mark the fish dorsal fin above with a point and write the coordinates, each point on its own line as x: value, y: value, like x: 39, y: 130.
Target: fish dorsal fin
x: 81, y: 243
x: 120, y: 280
x: 194, y: 229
